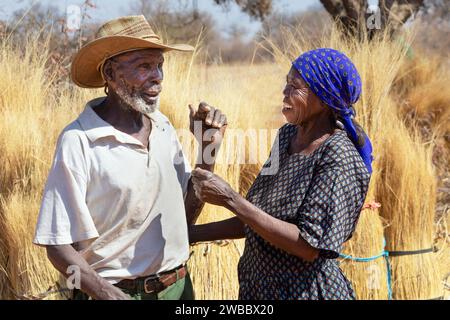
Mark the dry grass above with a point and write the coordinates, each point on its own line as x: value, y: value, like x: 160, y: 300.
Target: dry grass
x: 413, y: 194
x: 33, y: 112
x: 368, y: 278
x: 31, y: 117
x: 421, y: 91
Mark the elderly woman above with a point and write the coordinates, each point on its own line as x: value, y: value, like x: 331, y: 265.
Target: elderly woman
x: 296, y: 220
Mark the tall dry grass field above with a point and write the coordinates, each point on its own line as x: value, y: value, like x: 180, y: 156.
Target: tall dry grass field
x: 34, y: 109
x: 32, y: 114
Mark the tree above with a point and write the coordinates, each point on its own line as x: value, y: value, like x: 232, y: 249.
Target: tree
x: 179, y: 23
x: 258, y: 9
x: 355, y: 15
x: 313, y: 23
x: 433, y: 36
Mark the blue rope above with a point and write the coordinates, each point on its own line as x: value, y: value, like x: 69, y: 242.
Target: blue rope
x: 384, y: 254
x: 389, y: 274
x: 344, y: 256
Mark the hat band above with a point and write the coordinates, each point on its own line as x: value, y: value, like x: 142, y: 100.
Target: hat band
x: 135, y: 29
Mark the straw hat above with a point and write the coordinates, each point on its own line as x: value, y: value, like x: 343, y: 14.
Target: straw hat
x: 115, y: 37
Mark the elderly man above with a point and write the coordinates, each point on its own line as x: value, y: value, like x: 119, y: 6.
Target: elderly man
x: 119, y: 197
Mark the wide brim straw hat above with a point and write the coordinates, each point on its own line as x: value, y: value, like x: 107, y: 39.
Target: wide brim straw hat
x: 115, y: 37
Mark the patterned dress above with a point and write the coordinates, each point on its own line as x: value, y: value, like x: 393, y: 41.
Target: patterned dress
x: 322, y: 193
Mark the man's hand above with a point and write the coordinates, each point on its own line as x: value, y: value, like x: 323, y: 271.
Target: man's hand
x: 210, y: 120
x: 63, y: 256
x: 112, y: 293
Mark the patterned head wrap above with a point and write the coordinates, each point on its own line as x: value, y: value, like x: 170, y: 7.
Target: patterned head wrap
x: 335, y: 80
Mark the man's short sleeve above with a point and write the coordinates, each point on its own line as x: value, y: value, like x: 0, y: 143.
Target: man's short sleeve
x: 64, y: 217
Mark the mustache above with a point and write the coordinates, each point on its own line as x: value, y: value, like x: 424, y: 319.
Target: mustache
x: 154, y: 89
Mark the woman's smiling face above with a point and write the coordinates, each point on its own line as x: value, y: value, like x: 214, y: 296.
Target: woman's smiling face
x: 300, y: 104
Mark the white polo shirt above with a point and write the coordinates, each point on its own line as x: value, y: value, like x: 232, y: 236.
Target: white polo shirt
x: 122, y: 204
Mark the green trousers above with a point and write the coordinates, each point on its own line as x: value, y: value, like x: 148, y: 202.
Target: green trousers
x: 181, y: 290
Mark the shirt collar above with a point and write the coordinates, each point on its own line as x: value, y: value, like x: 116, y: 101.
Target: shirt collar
x: 96, y: 128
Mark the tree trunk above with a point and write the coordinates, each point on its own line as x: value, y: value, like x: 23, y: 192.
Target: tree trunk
x: 349, y: 14
x: 353, y: 15
x: 397, y: 12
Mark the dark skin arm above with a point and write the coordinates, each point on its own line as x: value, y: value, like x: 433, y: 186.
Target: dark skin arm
x: 209, y: 120
x: 232, y: 228
x: 284, y: 235
x: 63, y: 256
x: 192, y: 204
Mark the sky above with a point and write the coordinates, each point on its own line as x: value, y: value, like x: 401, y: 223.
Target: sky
x: 110, y: 9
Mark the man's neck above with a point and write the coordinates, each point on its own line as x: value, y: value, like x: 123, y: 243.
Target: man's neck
x: 121, y: 116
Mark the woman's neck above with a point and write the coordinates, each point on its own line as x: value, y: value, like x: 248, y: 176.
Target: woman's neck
x: 312, y: 134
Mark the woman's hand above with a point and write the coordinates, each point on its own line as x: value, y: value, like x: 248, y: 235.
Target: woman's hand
x: 211, y: 188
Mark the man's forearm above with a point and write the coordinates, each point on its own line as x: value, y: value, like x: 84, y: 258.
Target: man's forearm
x: 91, y: 283
x: 192, y: 204
x: 206, y: 156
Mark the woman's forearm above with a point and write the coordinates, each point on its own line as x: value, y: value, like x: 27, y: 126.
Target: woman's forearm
x: 281, y: 234
x: 232, y: 228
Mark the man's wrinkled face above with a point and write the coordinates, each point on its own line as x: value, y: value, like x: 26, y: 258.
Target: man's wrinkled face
x: 136, y: 78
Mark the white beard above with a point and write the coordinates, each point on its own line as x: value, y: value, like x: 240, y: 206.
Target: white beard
x: 137, y: 103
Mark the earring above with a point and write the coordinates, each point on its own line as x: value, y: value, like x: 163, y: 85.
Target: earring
x: 339, y: 124
x: 106, y: 89
x: 353, y: 111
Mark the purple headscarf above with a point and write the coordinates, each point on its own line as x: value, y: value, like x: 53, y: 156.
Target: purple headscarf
x: 335, y: 80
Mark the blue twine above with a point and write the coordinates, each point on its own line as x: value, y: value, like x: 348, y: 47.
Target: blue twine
x: 389, y: 274
x: 384, y: 254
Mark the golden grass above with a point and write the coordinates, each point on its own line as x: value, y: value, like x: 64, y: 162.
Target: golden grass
x: 33, y: 112
x: 31, y: 117
x: 413, y: 194
x: 369, y: 279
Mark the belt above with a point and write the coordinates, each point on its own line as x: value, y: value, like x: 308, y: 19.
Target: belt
x: 154, y: 283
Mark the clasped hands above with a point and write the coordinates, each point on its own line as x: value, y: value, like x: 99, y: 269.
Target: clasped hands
x: 210, y: 123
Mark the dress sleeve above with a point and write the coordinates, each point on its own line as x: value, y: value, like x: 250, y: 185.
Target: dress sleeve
x: 64, y: 217
x: 327, y: 215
